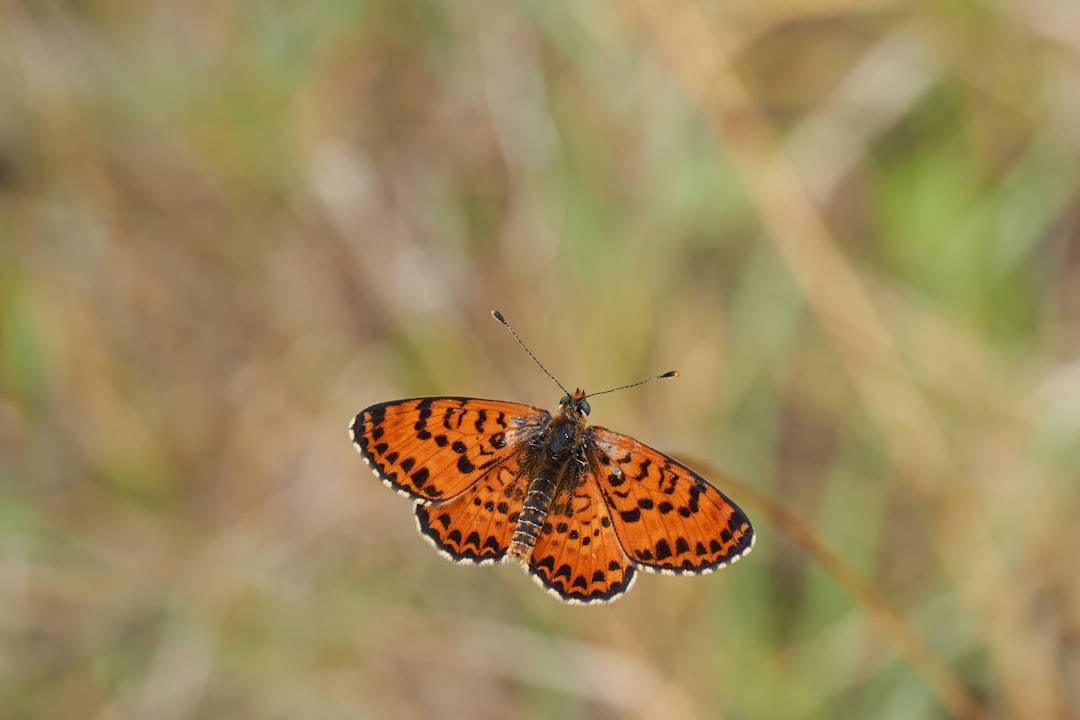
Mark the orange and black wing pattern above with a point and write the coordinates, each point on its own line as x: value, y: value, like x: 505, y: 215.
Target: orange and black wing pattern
x: 461, y: 459
x: 578, y: 557
x: 667, y: 518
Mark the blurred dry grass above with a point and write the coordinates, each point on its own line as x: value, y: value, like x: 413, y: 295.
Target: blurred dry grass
x: 225, y: 228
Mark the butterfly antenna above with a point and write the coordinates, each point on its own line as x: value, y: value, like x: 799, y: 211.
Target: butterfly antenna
x: 668, y: 374
x: 499, y: 316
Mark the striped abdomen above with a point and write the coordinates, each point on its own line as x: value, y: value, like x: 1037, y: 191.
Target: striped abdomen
x: 533, y: 513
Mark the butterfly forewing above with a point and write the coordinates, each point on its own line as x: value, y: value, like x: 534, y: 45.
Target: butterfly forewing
x: 435, y: 448
x: 666, y: 516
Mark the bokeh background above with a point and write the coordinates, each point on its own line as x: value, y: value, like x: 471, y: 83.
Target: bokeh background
x: 852, y: 225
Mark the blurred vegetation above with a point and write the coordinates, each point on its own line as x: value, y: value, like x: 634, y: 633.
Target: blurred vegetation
x: 854, y: 227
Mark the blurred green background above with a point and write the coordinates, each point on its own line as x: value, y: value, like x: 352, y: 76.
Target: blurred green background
x: 225, y: 228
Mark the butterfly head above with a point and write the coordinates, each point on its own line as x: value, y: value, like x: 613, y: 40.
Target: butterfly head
x: 575, y: 405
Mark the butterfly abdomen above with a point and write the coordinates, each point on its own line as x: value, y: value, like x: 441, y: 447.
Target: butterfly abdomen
x: 533, y: 514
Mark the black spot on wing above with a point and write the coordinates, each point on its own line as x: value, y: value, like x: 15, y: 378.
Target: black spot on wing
x: 663, y: 549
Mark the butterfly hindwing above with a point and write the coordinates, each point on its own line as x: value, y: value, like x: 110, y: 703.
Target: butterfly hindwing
x: 667, y: 518
x: 577, y: 555
x: 476, y: 525
x: 435, y: 448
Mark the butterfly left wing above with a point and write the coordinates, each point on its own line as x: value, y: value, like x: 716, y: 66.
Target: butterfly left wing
x: 461, y: 460
x: 668, y: 519
x: 477, y: 525
x: 435, y: 448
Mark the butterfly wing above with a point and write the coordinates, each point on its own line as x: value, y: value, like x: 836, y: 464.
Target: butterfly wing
x: 461, y: 459
x: 477, y: 525
x: 435, y: 448
x: 578, y: 557
x: 668, y: 519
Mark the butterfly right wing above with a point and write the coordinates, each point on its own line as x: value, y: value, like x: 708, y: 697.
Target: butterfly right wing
x: 463, y: 461
x: 668, y: 518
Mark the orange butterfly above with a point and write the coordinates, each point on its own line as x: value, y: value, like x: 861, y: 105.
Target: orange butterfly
x: 582, y: 508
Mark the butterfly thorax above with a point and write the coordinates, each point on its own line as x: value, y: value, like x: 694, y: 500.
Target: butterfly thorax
x: 557, y: 457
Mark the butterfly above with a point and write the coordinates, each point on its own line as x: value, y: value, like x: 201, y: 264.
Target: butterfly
x: 581, y: 507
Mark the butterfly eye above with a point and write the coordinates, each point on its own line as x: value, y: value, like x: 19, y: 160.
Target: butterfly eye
x: 565, y: 402
x: 583, y: 406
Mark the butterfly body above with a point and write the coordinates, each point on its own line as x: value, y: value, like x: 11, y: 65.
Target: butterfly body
x: 556, y: 455
x: 581, y: 507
